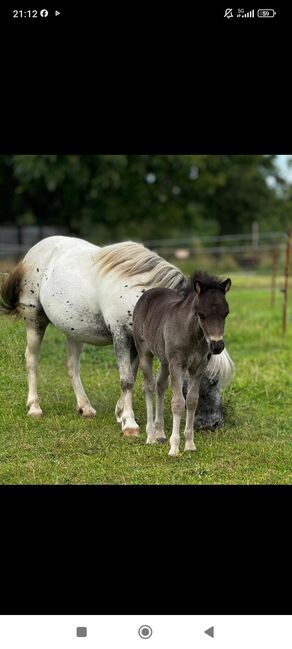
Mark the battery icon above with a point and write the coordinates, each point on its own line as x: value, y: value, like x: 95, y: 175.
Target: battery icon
x: 266, y: 13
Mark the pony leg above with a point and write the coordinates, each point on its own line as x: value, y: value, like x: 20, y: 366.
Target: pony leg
x: 161, y: 385
x: 74, y: 349
x: 34, y: 337
x: 177, y: 407
x: 120, y: 403
x: 146, y: 362
x: 122, y: 346
x: 119, y: 409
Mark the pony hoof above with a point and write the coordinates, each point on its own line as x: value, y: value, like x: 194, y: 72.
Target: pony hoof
x: 131, y: 432
x: 161, y: 440
x: 35, y: 412
x: 87, y: 413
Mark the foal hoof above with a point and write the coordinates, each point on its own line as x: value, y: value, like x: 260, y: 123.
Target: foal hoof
x: 190, y: 447
x: 131, y: 432
x: 160, y: 440
x: 173, y: 452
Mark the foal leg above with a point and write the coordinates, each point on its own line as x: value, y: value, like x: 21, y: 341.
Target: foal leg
x: 34, y: 336
x: 122, y: 346
x: 177, y: 406
x: 161, y: 385
x: 74, y: 349
x: 146, y: 361
x: 191, y: 403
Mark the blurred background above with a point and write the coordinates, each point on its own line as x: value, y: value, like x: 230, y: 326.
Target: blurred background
x: 229, y: 212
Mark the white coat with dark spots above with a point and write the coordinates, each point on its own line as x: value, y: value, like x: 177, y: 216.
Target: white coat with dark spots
x: 89, y: 293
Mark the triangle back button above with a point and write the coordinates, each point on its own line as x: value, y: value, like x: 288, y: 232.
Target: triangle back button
x: 210, y: 632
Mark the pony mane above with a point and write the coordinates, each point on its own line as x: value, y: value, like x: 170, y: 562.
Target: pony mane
x: 129, y: 259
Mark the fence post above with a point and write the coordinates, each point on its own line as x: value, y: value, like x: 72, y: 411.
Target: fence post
x: 255, y: 241
x: 275, y: 258
x: 286, y: 278
x: 255, y: 236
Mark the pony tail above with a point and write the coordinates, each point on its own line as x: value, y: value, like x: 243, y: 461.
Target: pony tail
x: 220, y: 367
x: 9, y: 292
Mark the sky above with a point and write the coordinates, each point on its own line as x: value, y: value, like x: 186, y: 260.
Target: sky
x: 284, y: 169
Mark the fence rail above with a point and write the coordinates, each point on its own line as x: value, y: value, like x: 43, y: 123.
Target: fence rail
x: 15, y: 242
x: 225, y: 249
x: 205, y: 238
x: 248, y: 247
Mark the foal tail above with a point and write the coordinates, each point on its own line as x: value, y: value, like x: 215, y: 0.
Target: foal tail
x: 9, y: 292
x: 221, y: 368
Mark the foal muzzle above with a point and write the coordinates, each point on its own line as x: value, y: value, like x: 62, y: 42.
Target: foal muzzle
x: 216, y: 346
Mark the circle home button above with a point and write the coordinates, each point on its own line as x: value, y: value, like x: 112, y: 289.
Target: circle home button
x: 145, y: 632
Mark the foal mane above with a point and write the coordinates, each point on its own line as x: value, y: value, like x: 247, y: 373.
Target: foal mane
x: 128, y: 259
x: 206, y: 280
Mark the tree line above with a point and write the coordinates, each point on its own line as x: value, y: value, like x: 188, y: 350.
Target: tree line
x: 111, y: 197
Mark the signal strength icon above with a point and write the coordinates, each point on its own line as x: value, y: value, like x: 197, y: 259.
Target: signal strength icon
x: 250, y: 14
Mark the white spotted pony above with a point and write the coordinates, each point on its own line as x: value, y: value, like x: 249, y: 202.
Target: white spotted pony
x: 89, y: 293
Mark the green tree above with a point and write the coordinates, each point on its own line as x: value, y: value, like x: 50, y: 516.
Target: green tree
x: 111, y: 197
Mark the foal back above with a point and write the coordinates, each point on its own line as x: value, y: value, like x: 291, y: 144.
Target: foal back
x: 160, y: 324
x: 155, y: 311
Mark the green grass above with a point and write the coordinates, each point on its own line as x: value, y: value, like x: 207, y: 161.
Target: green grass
x: 254, y: 446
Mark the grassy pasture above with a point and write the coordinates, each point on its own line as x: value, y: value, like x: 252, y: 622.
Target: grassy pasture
x: 254, y: 446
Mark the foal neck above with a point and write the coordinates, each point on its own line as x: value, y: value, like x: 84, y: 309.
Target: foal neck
x: 190, y: 302
x: 190, y: 306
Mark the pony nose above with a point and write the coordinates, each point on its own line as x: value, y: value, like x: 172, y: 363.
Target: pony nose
x: 217, y: 346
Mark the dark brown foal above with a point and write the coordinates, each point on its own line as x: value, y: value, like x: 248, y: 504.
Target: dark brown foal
x: 183, y: 332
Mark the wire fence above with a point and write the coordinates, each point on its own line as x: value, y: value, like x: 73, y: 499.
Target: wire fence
x: 247, y: 251
x: 254, y: 242
x: 16, y: 240
x: 251, y: 236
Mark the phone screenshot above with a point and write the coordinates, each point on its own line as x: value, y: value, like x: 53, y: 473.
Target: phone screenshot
x: 145, y: 328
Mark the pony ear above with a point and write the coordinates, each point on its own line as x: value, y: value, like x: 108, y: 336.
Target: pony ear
x: 226, y: 285
x: 198, y: 287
